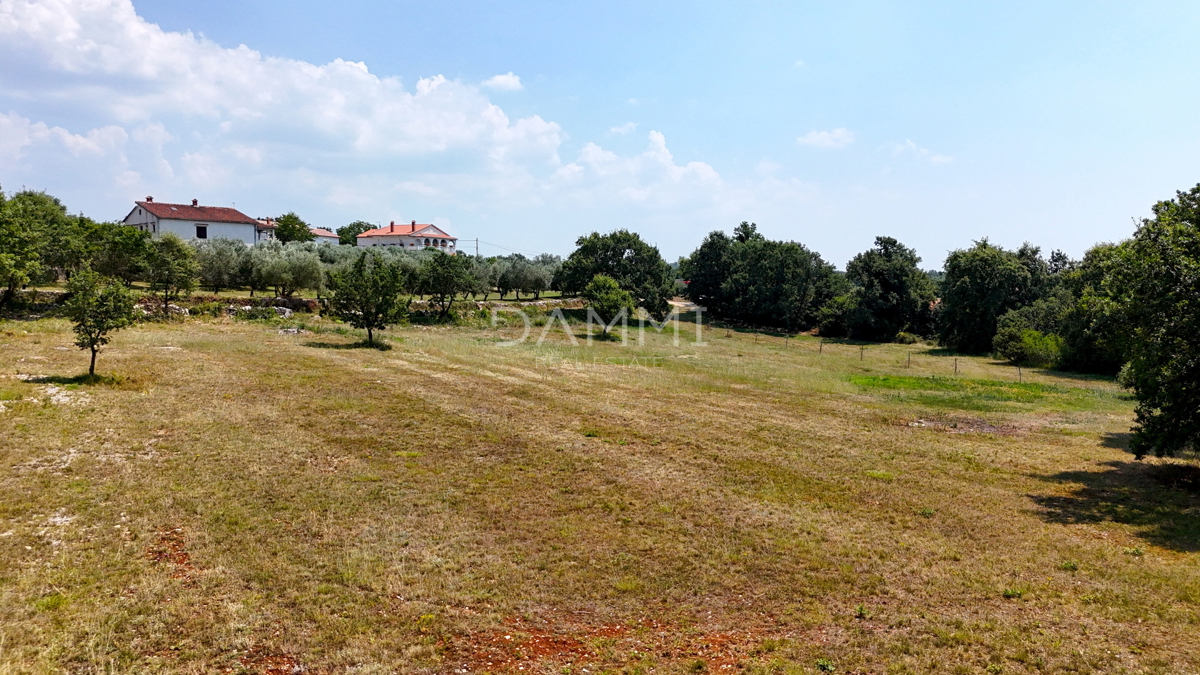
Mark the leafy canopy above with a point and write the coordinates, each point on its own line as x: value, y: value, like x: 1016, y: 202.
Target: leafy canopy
x: 622, y: 256
x: 171, y: 268
x: 891, y: 293
x: 1158, y: 277
x: 348, y: 234
x: 97, y: 306
x: 290, y: 227
x: 607, y: 299
x: 366, y: 294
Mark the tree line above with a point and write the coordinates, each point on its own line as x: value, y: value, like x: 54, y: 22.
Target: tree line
x: 1126, y: 309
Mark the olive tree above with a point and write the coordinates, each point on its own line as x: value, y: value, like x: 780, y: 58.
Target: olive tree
x: 366, y: 293
x: 171, y: 268
x: 97, y: 306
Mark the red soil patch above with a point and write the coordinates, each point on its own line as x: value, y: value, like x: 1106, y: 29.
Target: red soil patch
x: 270, y: 664
x: 524, y: 646
x: 172, y: 549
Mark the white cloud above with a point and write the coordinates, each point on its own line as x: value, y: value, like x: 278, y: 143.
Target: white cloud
x: 176, y: 115
x: 837, y: 138
x: 505, y: 82
x: 908, y: 148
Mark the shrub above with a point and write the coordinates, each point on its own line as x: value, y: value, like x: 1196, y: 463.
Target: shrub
x: 907, y: 338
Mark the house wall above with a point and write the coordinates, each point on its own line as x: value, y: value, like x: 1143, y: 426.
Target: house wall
x: 186, y: 229
x: 408, y: 242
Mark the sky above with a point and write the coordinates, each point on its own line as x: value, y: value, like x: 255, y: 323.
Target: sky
x: 528, y: 124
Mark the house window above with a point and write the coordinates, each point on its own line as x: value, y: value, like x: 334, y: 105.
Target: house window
x: 202, y: 232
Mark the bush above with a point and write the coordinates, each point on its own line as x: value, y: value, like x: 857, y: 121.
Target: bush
x: 907, y: 338
x: 1029, y: 347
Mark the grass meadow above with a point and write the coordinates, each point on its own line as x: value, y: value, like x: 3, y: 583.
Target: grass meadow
x: 234, y: 499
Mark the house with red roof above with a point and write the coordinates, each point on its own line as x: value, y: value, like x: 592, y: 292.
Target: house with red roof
x: 325, y: 236
x: 412, y: 237
x: 198, y: 222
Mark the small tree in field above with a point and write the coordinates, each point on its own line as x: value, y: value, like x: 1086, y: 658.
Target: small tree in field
x: 97, y: 306
x: 442, y: 277
x: 367, y: 293
x: 171, y: 268
x: 606, y: 297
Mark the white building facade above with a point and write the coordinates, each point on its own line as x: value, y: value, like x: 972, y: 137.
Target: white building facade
x: 412, y: 236
x: 198, y: 222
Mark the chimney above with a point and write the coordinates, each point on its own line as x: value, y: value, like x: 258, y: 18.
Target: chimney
x: 392, y: 227
x: 195, y: 202
x: 149, y: 199
x: 414, y: 223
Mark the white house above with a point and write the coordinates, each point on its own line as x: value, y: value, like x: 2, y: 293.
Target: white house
x: 324, y: 236
x: 412, y: 237
x: 200, y: 222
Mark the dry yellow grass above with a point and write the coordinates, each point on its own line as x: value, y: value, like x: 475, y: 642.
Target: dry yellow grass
x: 238, y: 500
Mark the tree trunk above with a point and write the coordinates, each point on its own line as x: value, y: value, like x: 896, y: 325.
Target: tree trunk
x: 92, y: 367
x: 370, y: 337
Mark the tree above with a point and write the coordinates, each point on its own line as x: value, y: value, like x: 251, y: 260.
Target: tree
x: 622, y: 255
x: 1029, y: 336
x: 286, y: 267
x: 606, y: 297
x: 120, y: 252
x: 775, y: 283
x: 892, y: 294
x: 20, y: 243
x: 366, y: 294
x: 981, y: 284
x: 171, y: 268
x: 1094, y: 328
x: 289, y: 227
x: 220, y: 262
x: 442, y: 277
x: 348, y: 234
x: 97, y: 306
x: 1158, y: 279
x: 705, y: 271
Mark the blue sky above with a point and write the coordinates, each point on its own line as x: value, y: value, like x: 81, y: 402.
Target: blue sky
x: 826, y: 123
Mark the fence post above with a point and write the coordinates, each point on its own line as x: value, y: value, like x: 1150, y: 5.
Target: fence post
x: 1019, y: 377
x: 821, y: 349
x: 909, y: 360
x: 956, y: 365
x: 861, y: 349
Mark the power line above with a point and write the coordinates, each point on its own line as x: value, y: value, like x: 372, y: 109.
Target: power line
x: 506, y: 248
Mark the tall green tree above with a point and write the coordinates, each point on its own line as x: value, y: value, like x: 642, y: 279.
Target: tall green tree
x: 23, y: 222
x: 120, y: 252
x: 290, y: 227
x: 891, y: 293
x: 97, y: 306
x: 621, y: 255
x: 705, y: 271
x: 171, y: 269
x: 348, y: 234
x: 981, y: 284
x: 366, y: 293
x: 1158, y: 277
x: 775, y: 283
x: 1094, y: 329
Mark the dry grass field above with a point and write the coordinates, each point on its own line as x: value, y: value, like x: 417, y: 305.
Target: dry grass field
x: 239, y: 500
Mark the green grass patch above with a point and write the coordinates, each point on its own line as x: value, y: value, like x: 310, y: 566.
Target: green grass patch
x: 978, y: 395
